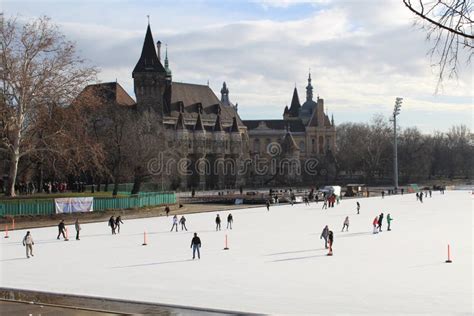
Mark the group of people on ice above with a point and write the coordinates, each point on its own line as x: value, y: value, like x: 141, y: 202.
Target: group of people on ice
x: 378, y: 221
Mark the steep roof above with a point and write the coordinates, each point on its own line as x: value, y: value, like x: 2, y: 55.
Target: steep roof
x: 190, y: 99
x: 289, y: 143
x: 199, y: 126
x: 105, y: 93
x: 148, y: 61
x: 295, y: 104
x: 294, y: 125
x: 218, y: 125
x: 235, y: 127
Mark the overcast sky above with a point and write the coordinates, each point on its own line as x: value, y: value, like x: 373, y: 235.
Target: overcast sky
x: 362, y: 53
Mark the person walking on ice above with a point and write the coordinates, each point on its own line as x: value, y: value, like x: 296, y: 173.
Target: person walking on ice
x: 218, y: 223
x: 118, y: 221
x: 375, y: 222
x: 380, y: 222
x: 230, y: 220
x: 195, y: 245
x: 78, y: 228
x: 358, y: 207
x: 389, y: 220
x: 62, y: 230
x: 267, y: 203
x: 331, y: 242
x: 324, y: 235
x: 182, y: 221
x: 175, y: 223
x: 325, y: 204
x: 346, y: 224
x: 112, y: 224
x: 28, y: 243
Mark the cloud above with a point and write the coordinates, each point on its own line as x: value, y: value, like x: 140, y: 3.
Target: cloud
x: 361, y: 54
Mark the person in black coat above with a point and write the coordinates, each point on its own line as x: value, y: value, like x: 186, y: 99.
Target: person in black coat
x: 230, y: 220
x: 62, y: 229
x: 195, y: 245
x: 112, y: 224
x: 331, y: 242
x: 324, y: 235
x: 218, y: 222
x: 380, y: 222
x: 118, y: 221
x: 182, y: 221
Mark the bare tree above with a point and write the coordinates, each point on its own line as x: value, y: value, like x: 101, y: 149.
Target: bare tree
x: 40, y: 68
x: 449, y: 26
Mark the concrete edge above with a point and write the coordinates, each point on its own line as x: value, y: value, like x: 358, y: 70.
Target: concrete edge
x: 107, y: 305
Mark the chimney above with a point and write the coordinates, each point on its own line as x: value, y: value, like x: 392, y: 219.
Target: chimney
x: 158, y: 48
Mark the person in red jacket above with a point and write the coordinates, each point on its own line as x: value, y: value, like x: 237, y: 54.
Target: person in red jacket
x: 375, y: 223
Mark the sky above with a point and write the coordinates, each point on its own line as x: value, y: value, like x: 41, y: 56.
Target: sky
x: 362, y: 53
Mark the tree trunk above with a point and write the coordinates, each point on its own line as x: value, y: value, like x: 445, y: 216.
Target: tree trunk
x: 14, y: 159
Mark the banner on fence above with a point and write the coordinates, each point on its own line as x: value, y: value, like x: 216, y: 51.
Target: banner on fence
x: 72, y: 205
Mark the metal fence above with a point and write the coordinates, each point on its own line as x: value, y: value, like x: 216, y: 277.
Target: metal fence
x: 46, y: 206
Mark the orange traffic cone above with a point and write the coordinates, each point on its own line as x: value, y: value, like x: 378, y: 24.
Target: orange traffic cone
x: 144, y: 238
x: 226, y: 247
x: 449, y: 255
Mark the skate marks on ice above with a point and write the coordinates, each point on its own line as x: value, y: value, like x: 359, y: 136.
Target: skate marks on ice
x: 152, y: 264
x: 296, y: 251
x: 299, y: 258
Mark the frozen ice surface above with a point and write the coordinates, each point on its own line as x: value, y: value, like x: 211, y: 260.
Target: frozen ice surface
x: 276, y: 264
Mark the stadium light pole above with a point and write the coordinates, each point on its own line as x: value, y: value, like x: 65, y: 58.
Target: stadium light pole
x: 396, y: 111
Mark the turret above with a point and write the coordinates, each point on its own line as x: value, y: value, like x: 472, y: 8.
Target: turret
x: 149, y: 78
x: 225, y: 94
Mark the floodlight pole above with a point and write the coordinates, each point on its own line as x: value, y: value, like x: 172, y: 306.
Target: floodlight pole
x: 396, y: 111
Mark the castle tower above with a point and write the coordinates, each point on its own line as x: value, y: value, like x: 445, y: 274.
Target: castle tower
x: 309, y: 89
x: 150, y: 78
x: 225, y: 94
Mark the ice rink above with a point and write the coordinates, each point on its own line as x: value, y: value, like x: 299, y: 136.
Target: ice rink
x: 276, y: 263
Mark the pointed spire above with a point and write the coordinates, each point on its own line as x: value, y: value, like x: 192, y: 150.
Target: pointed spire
x: 180, y: 123
x: 199, y: 126
x: 286, y: 111
x: 289, y: 144
x: 167, y: 66
x: 235, y: 126
x: 218, y: 125
x: 309, y: 88
x: 225, y: 94
x: 148, y: 61
x: 332, y: 119
x: 295, y: 104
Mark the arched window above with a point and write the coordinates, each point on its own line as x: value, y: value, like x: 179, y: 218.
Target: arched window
x: 256, y: 145
x: 321, y: 145
x: 302, y: 146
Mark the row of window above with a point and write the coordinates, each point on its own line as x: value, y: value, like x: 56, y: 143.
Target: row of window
x: 259, y: 146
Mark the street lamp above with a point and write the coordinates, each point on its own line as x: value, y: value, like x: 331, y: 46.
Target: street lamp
x: 396, y: 111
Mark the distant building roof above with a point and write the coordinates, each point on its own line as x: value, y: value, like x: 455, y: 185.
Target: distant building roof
x: 294, y: 125
x: 105, y: 93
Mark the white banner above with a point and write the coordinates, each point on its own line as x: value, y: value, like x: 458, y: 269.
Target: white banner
x: 72, y: 205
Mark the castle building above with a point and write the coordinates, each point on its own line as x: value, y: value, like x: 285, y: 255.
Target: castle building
x: 206, y: 130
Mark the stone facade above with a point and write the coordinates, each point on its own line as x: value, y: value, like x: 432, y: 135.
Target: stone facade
x: 219, y: 148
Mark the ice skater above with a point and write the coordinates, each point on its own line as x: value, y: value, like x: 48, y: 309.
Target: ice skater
x: 306, y: 201
x: 325, y: 204
x: 167, y: 210
x: 324, y: 235
x: 380, y: 222
x: 78, y: 228
x: 383, y: 194
x: 175, y: 223
x: 389, y: 220
x: 195, y: 245
x: 358, y: 207
x: 62, y: 229
x: 112, y: 224
x: 230, y: 220
x: 182, y: 221
x: 267, y: 203
x: 331, y: 242
x: 118, y: 221
x: 28, y: 243
x: 421, y: 197
x: 346, y: 224
x: 375, y: 222
x: 218, y: 223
